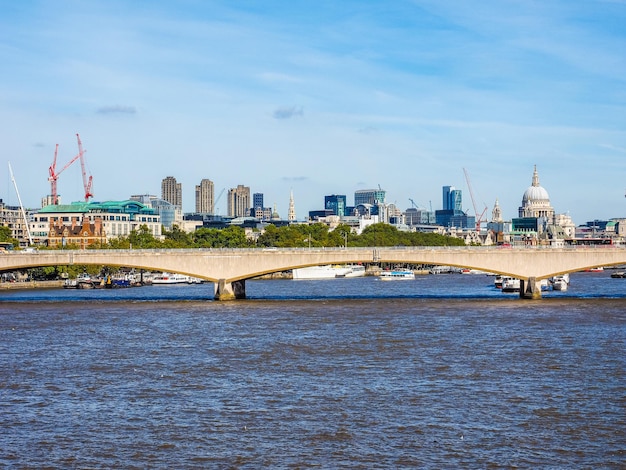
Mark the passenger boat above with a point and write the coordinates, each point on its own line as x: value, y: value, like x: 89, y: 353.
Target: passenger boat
x: 329, y: 271
x: 510, y: 284
x: 170, y: 278
x: 401, y: 275
x: 560, y: 283
x: 618, y: 274
x: 472, y: 271
x: 500, y: 279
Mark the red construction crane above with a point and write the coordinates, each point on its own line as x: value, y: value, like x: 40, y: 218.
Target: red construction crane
x: 479, y: 218
x: 54, y: 175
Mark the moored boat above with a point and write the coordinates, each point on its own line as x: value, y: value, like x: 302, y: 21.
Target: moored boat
x: 170, y: 278
x: 510, y: 284
x: 560, y: 283
x: 82, y: 281
x: 500, y: 279
x: 329, y: 271
x: 401, y: 275
x: 355, y: 270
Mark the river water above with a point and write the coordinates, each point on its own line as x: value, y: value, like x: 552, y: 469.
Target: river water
x: 441, y: 372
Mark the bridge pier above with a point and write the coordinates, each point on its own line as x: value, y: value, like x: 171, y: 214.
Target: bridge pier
x: 530, y: 288
x: 230, y: 290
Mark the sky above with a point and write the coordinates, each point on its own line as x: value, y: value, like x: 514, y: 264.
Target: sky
x: 319, y: 98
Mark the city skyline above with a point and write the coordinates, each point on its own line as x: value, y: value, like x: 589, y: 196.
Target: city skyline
x: 319, y: 100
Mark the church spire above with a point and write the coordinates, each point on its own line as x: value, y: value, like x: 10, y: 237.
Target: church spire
x: 535, y: 177
x: 291, y: 215
x: 496, y: 213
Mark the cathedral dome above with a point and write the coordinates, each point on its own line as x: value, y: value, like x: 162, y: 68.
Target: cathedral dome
x: 536, y: 201
x: 534, y: 194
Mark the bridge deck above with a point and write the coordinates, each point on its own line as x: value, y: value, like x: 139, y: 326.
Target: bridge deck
x: 226, y: 266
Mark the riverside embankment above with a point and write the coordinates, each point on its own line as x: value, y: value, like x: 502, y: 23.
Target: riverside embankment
x: 31, y: 285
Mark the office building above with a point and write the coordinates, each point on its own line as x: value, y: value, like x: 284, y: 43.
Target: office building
x: 452, y: 215
x: 369, y: 196
x: 169, y: 213
x: 85, y: 223
x: 172, y: 192
x: 336, y: 203
x: 257, y: 201
x: 13, y: 217
x: 205, y: 197
x: 417, y: 216
x: 452, y: 199
x: 239, y: 201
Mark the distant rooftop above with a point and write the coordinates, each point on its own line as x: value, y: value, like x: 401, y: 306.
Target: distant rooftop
x: 121, y: 207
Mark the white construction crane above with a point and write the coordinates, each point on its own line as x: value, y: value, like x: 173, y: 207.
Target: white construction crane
x: 19, y: 199
x: 479, y: 218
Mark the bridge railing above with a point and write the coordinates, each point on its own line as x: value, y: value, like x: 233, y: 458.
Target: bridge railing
x: 329, y: 249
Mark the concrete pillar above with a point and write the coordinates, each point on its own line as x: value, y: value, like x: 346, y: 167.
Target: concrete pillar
x: 530, y: 288
x: 230, y: 290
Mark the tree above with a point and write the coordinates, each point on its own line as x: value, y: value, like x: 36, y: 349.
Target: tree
x: 269, y: 237
x: 234, y: 237
x: 379, y: 234
x: 143, y: 238
x: 5, y: 233
x: 177, y: 238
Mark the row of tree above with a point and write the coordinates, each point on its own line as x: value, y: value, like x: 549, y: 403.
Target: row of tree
x: 290, y: 236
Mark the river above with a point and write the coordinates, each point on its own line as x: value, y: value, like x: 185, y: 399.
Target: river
x: 441, y: 372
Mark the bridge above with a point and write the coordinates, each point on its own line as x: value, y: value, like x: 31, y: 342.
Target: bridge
x: 228, y: 269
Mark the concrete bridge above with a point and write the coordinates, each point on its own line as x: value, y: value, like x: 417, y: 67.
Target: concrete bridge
x: 229, y: 268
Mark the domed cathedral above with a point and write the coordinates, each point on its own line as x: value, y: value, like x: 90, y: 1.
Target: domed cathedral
x: 536, y: 202
x: 537, y: 221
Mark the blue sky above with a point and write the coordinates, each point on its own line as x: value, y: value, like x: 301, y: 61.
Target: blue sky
x: 320, y: 98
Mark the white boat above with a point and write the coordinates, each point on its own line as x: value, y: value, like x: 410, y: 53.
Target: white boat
x: 356, y: 270
x: 500, y: 279
x: 510, y: 284
x: 82, y: 281
x: 329, y: 271
x: 560, y: 282
x: 402, y: 275
x: 170, y: 278
x: 472, y: 271
x: 444, y: 270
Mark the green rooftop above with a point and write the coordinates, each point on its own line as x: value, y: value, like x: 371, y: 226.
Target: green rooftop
x: 116, y: 207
